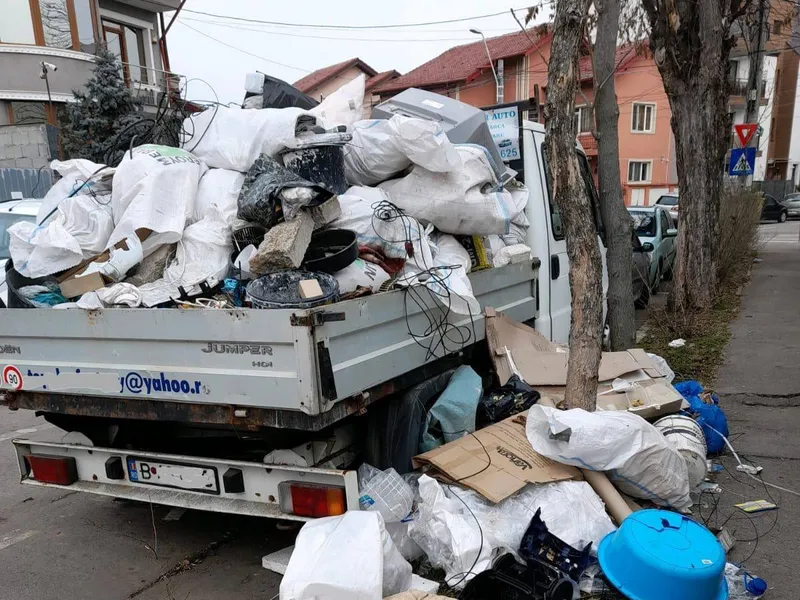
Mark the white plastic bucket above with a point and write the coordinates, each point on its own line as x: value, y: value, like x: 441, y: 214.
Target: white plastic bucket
x: 686, y: 435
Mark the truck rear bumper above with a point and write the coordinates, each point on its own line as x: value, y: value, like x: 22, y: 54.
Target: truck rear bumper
x: 259, y: 483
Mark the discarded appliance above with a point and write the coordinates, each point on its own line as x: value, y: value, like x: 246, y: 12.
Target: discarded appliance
x: 686, y: 435
x: 538, y: 544
x: 510, y: 580
x: 661, y: 555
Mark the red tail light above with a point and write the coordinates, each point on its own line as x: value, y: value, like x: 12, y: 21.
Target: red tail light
x: 311, y: 500
x: 53, y: 469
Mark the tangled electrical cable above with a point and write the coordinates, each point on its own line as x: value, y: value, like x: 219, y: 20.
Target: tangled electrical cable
x: 439, y: 335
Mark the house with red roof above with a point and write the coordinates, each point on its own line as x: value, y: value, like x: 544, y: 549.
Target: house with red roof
x: 323, y: 82
x: 647, y: 156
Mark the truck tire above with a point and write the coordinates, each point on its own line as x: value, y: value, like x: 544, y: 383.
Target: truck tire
x: 395, y: 424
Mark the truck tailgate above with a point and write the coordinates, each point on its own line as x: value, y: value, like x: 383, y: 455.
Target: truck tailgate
x: 285, y: 359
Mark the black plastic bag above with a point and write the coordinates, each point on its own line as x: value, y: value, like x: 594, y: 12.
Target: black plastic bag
x: 260, y: 198
x: 514, y: 397
x: 279, y: 94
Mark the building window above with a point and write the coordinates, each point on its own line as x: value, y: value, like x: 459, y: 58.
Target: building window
x: 583, y: 119
x: 643, y: 118
x: 733, y: 70
x: 639, y: 171
x: 776, y: 27
x: 16, y: 24
x: 27, y: 113
x: 65, y: 24
x: 127, y: 43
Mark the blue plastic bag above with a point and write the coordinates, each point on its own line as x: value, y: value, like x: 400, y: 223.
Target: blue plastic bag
x: 710, y: 417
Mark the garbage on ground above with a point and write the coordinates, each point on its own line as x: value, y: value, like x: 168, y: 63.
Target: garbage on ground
x: 749, y: 469
x: 462, y: 532
x: 633, y: 453
x: 514, y: 397
x: 756, y: 506
x: 704, y: 408
x: 659, y: 555
x: 385, y: 492
x: 510, y: 579
x: 496, y: 461
x: 348, y: 557
x: 679, y: 343
x: 452, y: 416
x: 417, y: 595
x: 742, y: 585
x: 539, y: 544
x: 687, y: 437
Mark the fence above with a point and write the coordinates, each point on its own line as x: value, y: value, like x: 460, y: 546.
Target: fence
x: 29, y: 183
x: 778, y: 188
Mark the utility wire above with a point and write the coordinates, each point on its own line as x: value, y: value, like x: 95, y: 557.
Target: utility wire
x: 327, y: 26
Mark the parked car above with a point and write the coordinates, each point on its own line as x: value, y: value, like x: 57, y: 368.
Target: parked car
x: 641, y: 271
x: 12, y: 211
x: 670, y: 201
x: 654, y: 224
x: 774, y: 210
x: 792, y: 204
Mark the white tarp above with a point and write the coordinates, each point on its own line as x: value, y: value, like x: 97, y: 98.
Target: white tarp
x: 349, y: 557
x: 467, y: 201
x: 233, y: 138
x: 78, y: 177
x: 220, y: 187
x: 381, y: 149
x: 154, y: 188
x: 634, y: 454
x: 79, y: 229
x: 462, y: 532
x: 203, y: 254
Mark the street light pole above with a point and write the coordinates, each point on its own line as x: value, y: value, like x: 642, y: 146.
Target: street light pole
x: 498, y: 85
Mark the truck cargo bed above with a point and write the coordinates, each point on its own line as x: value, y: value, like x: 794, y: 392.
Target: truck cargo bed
x: 285, y: 360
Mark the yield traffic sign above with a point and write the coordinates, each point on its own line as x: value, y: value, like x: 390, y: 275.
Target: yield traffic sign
x: 745, y: 131
x: 743, y: 161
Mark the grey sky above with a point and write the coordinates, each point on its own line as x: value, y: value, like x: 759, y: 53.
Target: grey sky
x: 224, y: 68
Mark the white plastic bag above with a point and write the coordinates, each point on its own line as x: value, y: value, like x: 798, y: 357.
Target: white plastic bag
x: 385, y: 492
x: 380, y: 149
x: 361, y: 273
x: 203, y: 255
x: 78, y: 230
x: 349, y: 557
x: 154, y: 188
x: 462, y: 532
x: 467, y: 201
x: 233, y: 138
x: 220, y: 187
x: 636, y: 457
x: 663, y: 367
x: 78, y: 177
x: 345, y: 106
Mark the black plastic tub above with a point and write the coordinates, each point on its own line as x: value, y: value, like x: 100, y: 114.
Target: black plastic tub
x: 280, y: 290
x: 323, y: 165
x: 15, y: 281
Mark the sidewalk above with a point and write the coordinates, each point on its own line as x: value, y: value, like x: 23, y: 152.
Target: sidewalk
x: 759, y: 388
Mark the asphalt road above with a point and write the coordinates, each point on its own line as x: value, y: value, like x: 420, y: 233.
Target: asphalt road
x: 56, y: 544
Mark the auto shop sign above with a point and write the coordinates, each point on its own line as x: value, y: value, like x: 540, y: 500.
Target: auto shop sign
x: 504, y: 126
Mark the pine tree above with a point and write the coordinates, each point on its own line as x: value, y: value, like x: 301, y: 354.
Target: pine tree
x: 101, y: 109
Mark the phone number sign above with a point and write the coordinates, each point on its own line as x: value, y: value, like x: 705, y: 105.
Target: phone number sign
x: 504, y: 126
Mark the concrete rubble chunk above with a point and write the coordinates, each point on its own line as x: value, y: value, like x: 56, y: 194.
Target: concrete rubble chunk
x: 284, y: 245
x: 327, y: 212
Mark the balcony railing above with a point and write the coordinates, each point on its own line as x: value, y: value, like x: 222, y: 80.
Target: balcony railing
x: 739, y: 87
x: 149, y: 84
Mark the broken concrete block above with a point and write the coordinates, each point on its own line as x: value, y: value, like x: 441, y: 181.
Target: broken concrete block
x: 284, y: 245
x: 327, y: 212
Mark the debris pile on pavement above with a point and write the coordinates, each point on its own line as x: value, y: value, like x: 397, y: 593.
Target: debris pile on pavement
x: 288, y: 203
x: 513, y: 496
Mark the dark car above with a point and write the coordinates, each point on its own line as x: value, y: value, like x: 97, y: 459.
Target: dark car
x: 773, y: 210
x: 641, y: 271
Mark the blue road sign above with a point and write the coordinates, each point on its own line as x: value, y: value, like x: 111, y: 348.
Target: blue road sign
x: 743, y: 161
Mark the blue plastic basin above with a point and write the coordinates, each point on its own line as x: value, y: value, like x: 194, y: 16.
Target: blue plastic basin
x: 662, y: 555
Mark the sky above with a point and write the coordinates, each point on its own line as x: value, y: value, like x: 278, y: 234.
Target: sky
x: 220, y: 51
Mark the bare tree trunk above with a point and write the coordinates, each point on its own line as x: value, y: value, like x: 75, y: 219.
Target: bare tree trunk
x: 691, y: 44
x: 585, y: 267
x: 618, y: 222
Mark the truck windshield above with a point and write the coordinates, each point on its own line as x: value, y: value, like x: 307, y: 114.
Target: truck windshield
x: 6, y: 221
x: 644, y: 223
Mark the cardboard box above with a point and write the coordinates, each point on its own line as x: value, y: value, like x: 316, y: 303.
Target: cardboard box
x: 76, y: 286
x: 496, y: 461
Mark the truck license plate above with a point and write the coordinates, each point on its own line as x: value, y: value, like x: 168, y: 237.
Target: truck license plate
x: 174, y: 475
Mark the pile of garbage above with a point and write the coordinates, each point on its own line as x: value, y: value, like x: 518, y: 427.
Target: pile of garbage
x: 289, y: 207
x: 511, y: 495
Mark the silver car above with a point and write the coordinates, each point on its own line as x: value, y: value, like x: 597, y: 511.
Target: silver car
x: 792, y: 204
